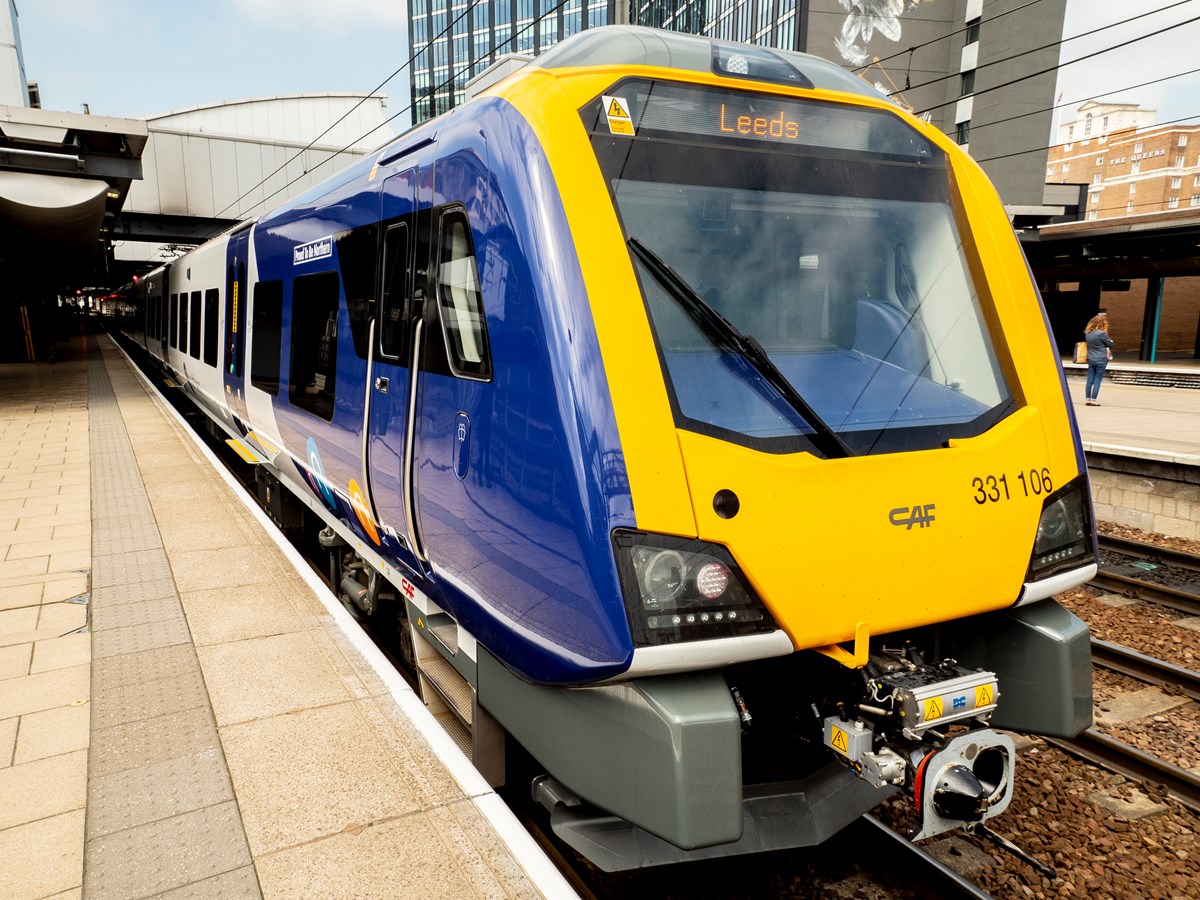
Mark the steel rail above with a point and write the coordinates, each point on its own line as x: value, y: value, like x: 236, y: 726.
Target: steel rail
x: 922, y: 872
x: 1143, y: 550
x: 1145, y: 668
x: 1144, y: 590
x: 1124, y: 759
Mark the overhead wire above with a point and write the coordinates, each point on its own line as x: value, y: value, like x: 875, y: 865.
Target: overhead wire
x: 408, y: 62
x: 429, y: 95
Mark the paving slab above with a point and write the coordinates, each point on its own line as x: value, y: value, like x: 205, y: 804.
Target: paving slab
x: 1150, y: 701
x: 1127, y: 802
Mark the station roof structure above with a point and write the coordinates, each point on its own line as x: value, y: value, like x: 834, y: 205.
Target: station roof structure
x: 62, y: 175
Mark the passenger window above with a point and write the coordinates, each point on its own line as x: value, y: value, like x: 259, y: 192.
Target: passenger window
x: 173, y: 320
x: 357, y: 252
x: 268, y: 320
x: 183, y: 322
x: 212, y: 308
x: 197, y: 323
x: 311, y: 381
x: 460, y: 300
x: 395, y: 291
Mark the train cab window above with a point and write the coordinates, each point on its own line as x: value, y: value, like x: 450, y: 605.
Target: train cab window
x: 395, y: 291
x: 182, y: 316
x: 212, y: 311
x: 357, y: 253
x: 197, y: 323
x: 173, y: 320
x: 460, y: 300
x: 264, y: 348
x: 311, y: 380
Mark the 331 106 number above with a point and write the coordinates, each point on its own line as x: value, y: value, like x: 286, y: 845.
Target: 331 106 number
x: 994, y: 488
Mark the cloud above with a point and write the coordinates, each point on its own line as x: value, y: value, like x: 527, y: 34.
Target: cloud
x: 340, y: 16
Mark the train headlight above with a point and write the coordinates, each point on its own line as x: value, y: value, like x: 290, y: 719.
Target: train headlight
x: 1064, y: 535
x: 684, y: 590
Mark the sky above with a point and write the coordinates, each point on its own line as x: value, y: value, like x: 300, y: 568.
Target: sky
x: 134, y: 58
x: 139, y: 57
x: 1132, y: 62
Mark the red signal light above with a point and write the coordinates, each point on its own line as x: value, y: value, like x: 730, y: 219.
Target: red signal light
x: 135, y: 279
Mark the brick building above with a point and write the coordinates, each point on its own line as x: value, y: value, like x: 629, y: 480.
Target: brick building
x: 1130, y: 166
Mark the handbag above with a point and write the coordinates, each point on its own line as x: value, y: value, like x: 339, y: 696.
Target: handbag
x: 1081, y: 352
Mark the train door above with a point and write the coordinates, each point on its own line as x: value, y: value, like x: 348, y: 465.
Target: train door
x: 236, y: 301
x: 390, y: 434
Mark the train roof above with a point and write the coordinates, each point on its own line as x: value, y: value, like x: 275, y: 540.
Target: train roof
x: 634, y: 45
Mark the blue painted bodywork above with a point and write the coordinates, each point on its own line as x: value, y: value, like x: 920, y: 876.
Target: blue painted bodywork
x: 517, y: 531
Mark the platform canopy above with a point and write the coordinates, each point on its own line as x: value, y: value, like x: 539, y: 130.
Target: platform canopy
x: 63, y: 176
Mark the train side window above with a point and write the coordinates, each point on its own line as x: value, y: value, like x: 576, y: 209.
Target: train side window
x: 311, y: 380
x: 357, y: 253
x: 182, y: 316
x: 212, y: 309
x: 461, y: 301
x: 173, y: 320
x: 268, y: 323
x: 395, y: 291
x: 197, y: 324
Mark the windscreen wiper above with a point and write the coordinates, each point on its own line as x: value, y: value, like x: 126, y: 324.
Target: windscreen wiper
x: 704, y: 315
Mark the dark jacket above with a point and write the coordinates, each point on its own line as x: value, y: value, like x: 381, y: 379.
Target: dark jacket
x: 1099, y: 343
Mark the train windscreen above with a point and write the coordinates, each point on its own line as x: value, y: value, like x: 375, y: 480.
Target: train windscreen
x: 824, y: 235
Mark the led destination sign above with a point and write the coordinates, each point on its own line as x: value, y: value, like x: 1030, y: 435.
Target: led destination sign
x: 701, y: 112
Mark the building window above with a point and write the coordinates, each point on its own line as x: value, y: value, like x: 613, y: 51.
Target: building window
x: 962, y: 133
x: 313, y: 370
x: 967, y: 83
x: 1175, y: 183
x: 972, y: 32
x: 1195, y: 200
x: 1179, y: 161
x: 1050, y: 170
x: 268, y: 323
x: 1135, y: 168
x: 1096, y: 178
x: 1132, y: 187
x: 1196, y: 181
x: 1104, y: 124
x: 1129, y: 207
x: 1183, y: 140
x: 1087, y: 125
x: 1066, y: 168
x: 1099, y: 160
x: 1070, y: 135
x: 1137, y: 148
x: 1092, y: 215
x: 1173, y: 203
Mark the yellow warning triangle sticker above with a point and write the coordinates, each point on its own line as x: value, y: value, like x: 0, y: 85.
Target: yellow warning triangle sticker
x: 840, y: 743
x: 933, y: 708
x: 983, y: 695
x: 616, y: 110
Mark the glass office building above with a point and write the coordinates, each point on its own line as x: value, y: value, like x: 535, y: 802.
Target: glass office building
x: 455, y: 40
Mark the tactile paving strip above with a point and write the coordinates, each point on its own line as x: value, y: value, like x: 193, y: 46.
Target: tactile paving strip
x: 161, y: 811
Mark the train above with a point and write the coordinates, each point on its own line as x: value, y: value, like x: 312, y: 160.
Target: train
x: 691, y: 408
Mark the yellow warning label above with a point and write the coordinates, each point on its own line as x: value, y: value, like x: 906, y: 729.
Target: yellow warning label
x: 840, y: 742
x: 616, y: 110
x: 933, y: 708
x: 983, y: 696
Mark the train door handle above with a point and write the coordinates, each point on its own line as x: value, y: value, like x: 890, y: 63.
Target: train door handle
x: 381, y: 384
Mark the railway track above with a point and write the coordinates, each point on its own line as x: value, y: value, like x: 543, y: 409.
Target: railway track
x: 1168, y: 577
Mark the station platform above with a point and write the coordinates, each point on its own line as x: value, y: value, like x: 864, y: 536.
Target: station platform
x: 1142, y: 421
x: 185, y: 711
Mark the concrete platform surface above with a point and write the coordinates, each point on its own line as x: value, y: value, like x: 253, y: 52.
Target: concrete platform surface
x: 183, y: 711
x: 1160, y: 423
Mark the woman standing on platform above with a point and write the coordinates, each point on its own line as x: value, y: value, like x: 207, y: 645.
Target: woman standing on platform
x: 1099, y: 352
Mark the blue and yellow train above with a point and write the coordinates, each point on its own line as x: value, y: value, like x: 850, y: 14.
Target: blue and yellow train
x: 697, y: 410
